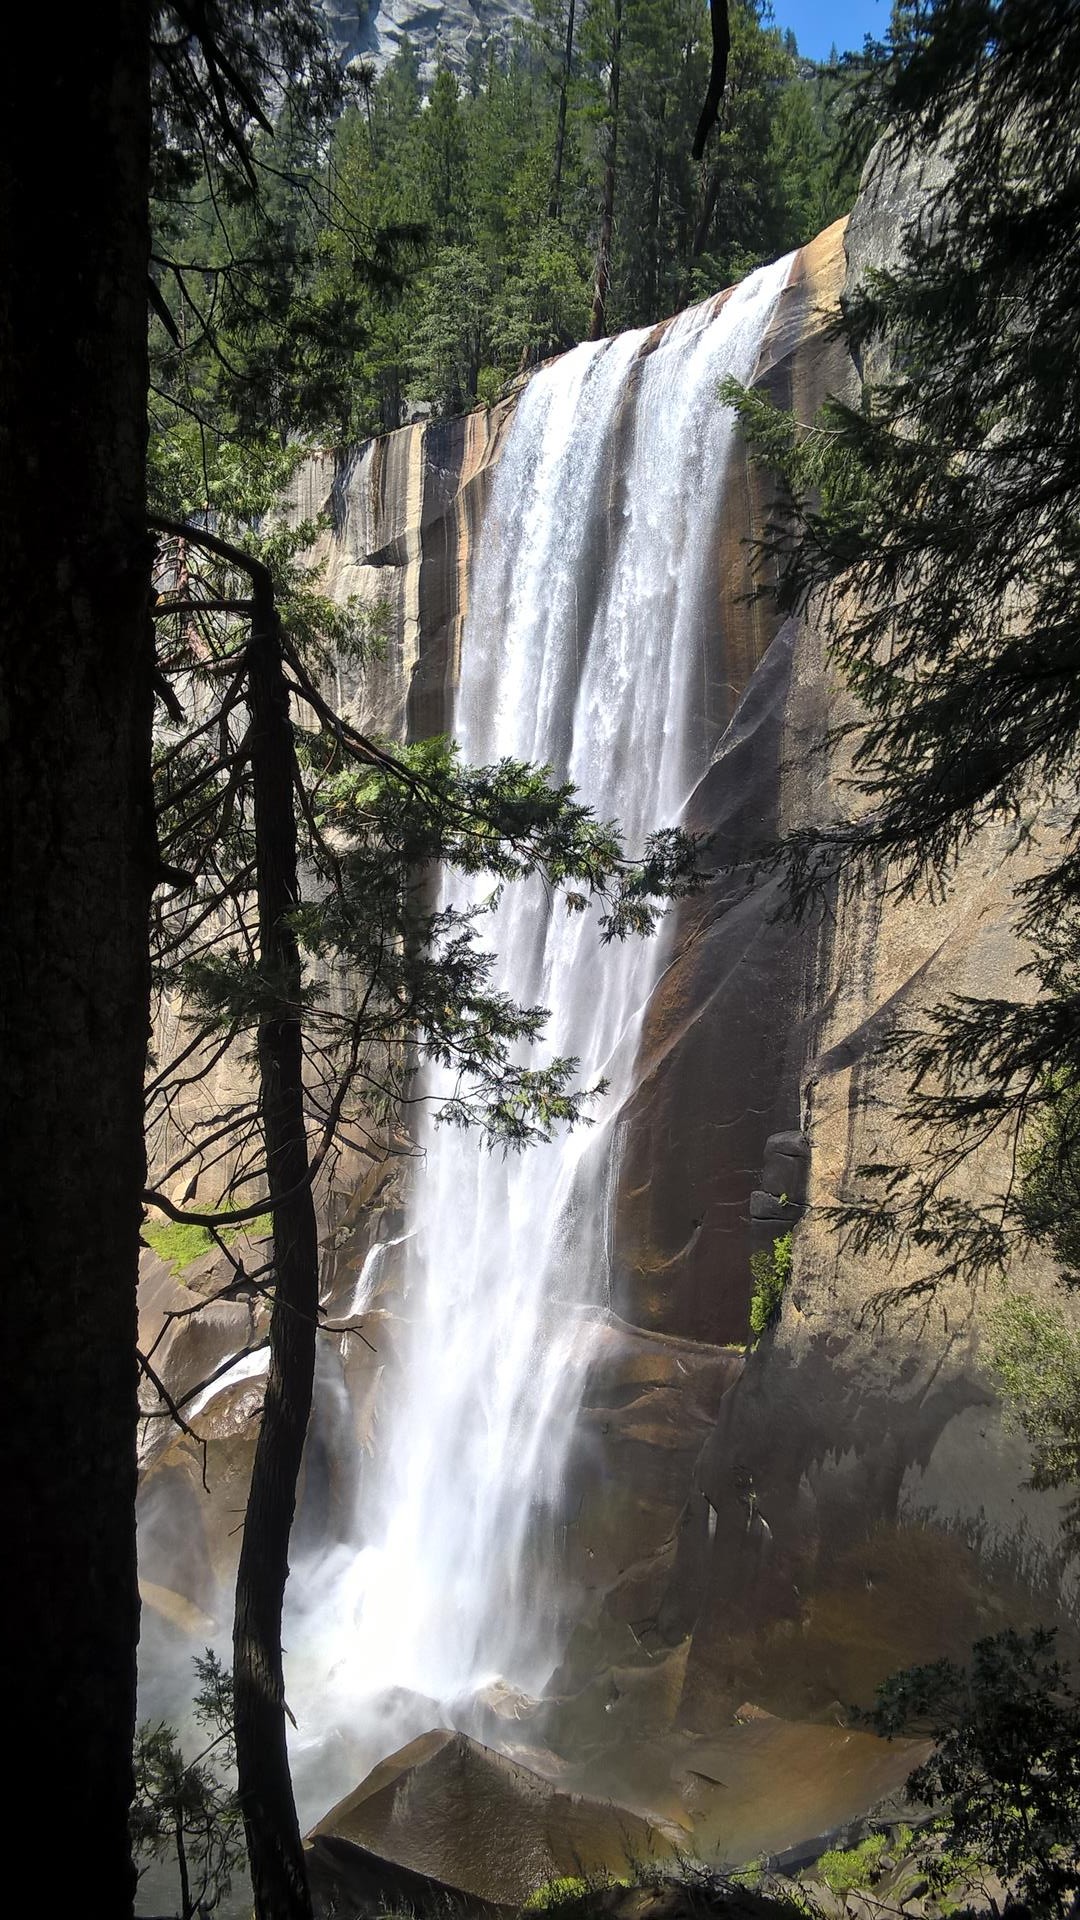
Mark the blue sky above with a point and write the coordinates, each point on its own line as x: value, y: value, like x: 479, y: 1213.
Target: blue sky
x: 817, y: 24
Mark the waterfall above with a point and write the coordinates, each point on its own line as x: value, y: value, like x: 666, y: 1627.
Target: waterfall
x: 593, y: 594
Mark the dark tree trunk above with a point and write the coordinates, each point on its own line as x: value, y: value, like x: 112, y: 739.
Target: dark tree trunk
x: 721, y: 50
x: 701, y: 231
x: 560, y: 136
x: 710, y: 113
x: 76, y: 869
x: 654, y: 222
x: 598, y: 320
x: 186, y: 1908
x: 278, y: 1874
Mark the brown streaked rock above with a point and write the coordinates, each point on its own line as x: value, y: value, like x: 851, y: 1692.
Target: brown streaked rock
x: 345, y: 1878
x: 726, y: 1032
x: 723, y: 1040
x: 189, y: 1525
x: 768, y: 1786
x: 649, y: 1404
x: 448, y: 1807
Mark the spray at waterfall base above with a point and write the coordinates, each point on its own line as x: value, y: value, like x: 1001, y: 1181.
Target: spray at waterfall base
x: 450, y: 1596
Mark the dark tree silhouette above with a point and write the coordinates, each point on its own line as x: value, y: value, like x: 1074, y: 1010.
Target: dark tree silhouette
x: 77, y: 866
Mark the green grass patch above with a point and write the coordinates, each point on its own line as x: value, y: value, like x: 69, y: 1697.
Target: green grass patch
x: 751, y: 1874
x: 180, y: 1244
x: 849, y: 1870
x: 555, y: 1893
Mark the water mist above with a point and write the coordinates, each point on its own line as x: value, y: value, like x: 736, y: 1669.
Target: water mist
x: 593, y: 599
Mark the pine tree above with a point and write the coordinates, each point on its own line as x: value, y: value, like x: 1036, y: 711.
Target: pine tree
x: 936, y: 540
x: 554, y: 31
x: 187, y: 1810
x: 604, y: 23
x: 79, y: 858
x: 77, y: 863
x: 446, y: 160
x: 270, y: 783
x: 1004, y: 1772
x: 740, y: 221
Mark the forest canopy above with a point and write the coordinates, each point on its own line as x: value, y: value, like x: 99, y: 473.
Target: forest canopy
x: 331, y: 254
x: 432, y: 241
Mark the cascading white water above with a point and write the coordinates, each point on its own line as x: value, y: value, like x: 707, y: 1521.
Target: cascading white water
x: 593, y: 585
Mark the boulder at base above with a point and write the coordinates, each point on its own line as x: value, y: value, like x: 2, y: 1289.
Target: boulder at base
x: 781, y: 1788
x: 450, y: 1808
x: 347, y: 1879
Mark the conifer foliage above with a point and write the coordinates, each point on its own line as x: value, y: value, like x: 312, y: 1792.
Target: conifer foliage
x: 564, y: 165
x: 936, y: 539
x: 299, y: 922
x: 296, y: 852
x: 1003, y: 1778
x: 278, y: 282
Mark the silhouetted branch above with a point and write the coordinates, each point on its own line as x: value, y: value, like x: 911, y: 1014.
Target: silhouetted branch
x: 721, y: 47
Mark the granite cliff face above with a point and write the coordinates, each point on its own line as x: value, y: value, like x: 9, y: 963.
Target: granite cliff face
x: 780, y: 1527
x: 860, y: 1504
x: 449, y: 30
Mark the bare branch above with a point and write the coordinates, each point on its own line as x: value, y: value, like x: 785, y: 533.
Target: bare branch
x: 172, y: 1410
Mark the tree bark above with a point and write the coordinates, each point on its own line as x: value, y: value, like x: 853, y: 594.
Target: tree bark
x: 721, y: 49
x: 560, y: 136
x: 710, y: 113
x: 279, y: 1877
x: 701, y: 231
x: 76, y: 872
x: 598, y: 320
x: 654, y: 221
x: 186, y: 1908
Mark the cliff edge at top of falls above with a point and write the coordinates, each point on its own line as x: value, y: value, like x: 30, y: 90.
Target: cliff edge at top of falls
x: 782, y: 1529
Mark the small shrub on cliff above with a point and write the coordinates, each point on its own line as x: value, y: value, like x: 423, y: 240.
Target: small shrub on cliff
x: 771, y: 1272
x: 1035, y: 1354
x: 1049, y: 1161
x: 1032, y: 1347
x: 556, y: 1893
